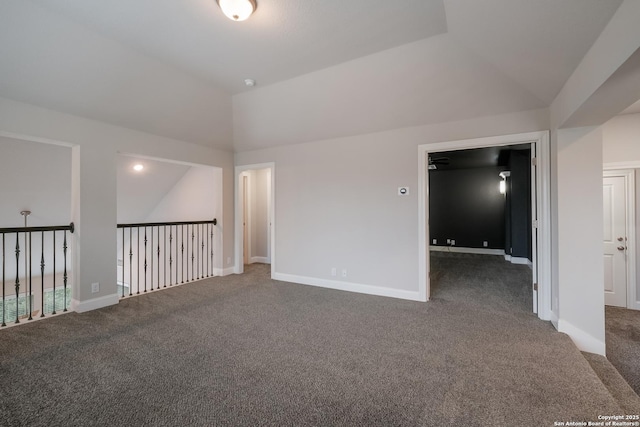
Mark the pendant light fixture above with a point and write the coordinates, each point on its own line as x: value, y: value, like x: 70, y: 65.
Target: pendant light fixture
x: 237, y: 10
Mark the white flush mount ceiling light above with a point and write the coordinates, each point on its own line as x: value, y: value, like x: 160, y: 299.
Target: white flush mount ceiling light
x: 237, y: 10
x: 138, y: 167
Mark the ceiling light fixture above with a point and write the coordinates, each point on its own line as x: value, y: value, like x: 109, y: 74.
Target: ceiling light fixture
x: 138, y: 167
x: 237, y: 10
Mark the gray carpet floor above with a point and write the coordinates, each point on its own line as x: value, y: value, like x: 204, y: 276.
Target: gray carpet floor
x: 623, y: 343
x: 246, y: 350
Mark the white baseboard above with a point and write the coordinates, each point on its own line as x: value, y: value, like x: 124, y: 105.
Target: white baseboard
x: 260, y: 259
x: 462, y: 250
x: 224, y: 271
x: 349, y: 287
x: 94, y: 304
x: 519, y: 260
x: 582, y: 340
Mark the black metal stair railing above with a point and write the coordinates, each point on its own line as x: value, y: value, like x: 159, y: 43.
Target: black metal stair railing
x: 155, y: 255
x: 18, y: 303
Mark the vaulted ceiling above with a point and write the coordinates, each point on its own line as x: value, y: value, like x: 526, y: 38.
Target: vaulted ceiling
x: 324, y: 68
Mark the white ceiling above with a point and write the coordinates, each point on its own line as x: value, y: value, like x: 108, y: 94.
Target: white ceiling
x: 283, y: 39
x: 174, y: 68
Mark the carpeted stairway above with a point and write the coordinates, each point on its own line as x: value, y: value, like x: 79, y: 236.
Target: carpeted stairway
x: 623, y: 343
x: 246, y: 350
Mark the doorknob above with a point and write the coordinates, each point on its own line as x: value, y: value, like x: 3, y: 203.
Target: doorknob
x: 621, y: 248
x: 620, y: 239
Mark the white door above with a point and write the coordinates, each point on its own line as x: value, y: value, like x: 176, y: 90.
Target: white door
x: 615, y: 240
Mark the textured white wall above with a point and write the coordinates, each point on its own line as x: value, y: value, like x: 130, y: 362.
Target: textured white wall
x: 621, y: 139
x: 195, y: 197
x: 35, y: 177
x: 581, y: 269
x: 337, y: 203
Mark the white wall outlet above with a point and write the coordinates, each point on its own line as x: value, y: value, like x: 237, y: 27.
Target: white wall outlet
x: 344, y: 272
x: 334, y: 271
x: 229, y: 260
x: 485, y: 244
x: 435, y: 241
x: 95, y: 288
x: 453, y: 242
x: 448, y: 241
x: 403, y: 191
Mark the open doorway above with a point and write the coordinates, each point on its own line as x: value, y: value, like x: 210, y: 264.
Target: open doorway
x: 539, y: 221
x: 254, y: 213
x: 480, y: 223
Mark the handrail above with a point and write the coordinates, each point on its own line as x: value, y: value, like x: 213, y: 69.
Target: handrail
x: 160, y: 224
x: 69, y: 227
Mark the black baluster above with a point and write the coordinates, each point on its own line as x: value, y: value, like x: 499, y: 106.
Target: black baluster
x: 212, y: 249
x: 64, y: 274
x: 158, y: 258
x: 54, y: 273
x: 130, y: 261
x: 164, y: 259
x: 123, y: 262
x: 182, y: 254
x: 193, y: 247
x: 30, y: 284
x: 138, y: 252
x: 171, y: 254
x: 4, y: 309
x: 201, y: 251
x: 42, y: 274
x: 17, y: 277
x: 145, y: 259
x: 151, y: 251
x: 206, y: 237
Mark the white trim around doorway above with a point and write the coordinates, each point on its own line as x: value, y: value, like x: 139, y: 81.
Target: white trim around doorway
x: 239, y: 204
x: 541, y: 141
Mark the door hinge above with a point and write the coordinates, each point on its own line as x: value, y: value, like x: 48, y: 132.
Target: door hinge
x: 534, y: 223
x: 535, y: 287
x: 534, y: 161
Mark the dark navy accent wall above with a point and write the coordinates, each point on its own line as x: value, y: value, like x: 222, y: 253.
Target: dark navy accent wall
x: 466, y: 205
x: 519, y: 206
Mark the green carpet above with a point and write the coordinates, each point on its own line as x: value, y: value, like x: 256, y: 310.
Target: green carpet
x: 246, y: 350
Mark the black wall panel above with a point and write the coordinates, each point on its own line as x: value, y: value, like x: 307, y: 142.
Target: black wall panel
x: 466, y: 205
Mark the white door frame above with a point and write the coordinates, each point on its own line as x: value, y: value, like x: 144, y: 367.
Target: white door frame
x: 239, y: 209
x: 543, y: 208
x: 627, y: 171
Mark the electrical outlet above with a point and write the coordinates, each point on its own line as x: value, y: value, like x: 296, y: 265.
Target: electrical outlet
x: 344, y: 272
x: 228, y: 260
x: 435, y: 241
x: 448, y: 241
x: 95, y: 288
x: 453, y: 242
x: 334, y: 271
x: 485, y: 244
